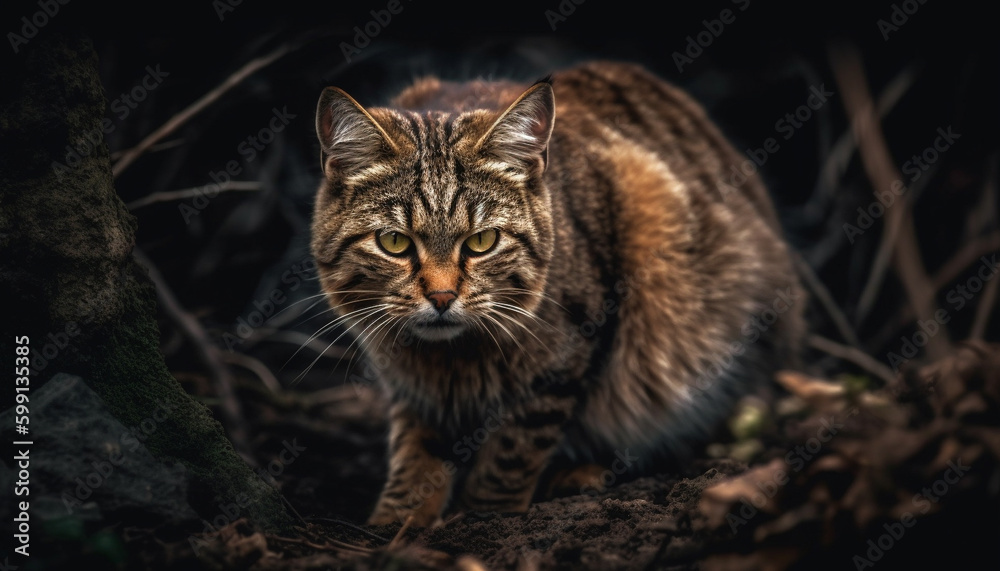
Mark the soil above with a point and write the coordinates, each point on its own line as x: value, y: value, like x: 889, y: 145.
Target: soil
x: 830, y: 480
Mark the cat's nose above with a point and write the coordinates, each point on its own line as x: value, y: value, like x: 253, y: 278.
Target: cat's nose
x: 442, y: 299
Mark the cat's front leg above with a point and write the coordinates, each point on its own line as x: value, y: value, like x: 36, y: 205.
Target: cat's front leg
x: 420, y: 481
x: 506, y: 469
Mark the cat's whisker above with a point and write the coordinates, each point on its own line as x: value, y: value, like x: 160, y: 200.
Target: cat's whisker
x: 523, y: 312
x: 386, y: 329
x: 360, y: 338
x: 332, y: 343
x: 364, y: 314
x: 502, y: 326
x: 540, y: 294
x: 337, y: 307
x: 518, y: 323
x: 328, y: 327
x: 332, y: 309
x: 482, y: 326
x: 335, y: 322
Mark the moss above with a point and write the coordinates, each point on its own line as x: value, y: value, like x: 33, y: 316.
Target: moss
x: 65, y: 255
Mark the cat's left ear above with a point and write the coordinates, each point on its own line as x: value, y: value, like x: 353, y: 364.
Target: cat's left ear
x: 521, y: 133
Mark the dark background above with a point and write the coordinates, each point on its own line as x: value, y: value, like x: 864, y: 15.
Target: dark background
x: 239, y: 247
x: 758, y: 69
x: 243, y: 249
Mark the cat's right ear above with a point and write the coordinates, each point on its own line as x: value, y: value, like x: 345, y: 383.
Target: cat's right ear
x: 349, y: 136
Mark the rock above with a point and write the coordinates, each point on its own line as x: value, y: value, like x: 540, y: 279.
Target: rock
x: 87, y: 464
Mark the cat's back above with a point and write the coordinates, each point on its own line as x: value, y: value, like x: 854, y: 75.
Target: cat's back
x: 604, y: 104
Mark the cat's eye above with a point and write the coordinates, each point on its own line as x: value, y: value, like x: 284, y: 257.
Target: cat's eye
x: 394, y: 242
x: 481, y: 242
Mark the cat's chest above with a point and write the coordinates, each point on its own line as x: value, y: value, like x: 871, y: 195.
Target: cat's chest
x: 459, y: 381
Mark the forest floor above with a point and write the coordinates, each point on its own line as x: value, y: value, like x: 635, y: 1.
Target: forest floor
x: 831, y: 475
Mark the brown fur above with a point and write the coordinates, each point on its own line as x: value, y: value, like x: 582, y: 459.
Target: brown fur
x: 614, y: 314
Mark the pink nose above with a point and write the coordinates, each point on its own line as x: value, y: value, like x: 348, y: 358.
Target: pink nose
x: 442, y: 299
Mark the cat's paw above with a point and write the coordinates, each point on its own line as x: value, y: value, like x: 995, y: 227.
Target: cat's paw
x: 583, y: 479
x: 420, y: 518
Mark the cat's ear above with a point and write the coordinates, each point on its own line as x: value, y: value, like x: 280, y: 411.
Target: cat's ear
x: 521, y: 133
x: 349, y: 136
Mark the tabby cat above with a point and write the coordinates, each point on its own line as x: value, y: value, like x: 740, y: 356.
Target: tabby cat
x: 554, y: 270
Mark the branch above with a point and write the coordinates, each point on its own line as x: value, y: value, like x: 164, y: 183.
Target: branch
x: 826, y: 300
x: 963, y: 258
x: 946, y: 274
x: 852, y: 355
x: 985, y: 310
x: 156, y: 197
x: 899, y: 234
x: 129, y: 156
x: 255, y: 366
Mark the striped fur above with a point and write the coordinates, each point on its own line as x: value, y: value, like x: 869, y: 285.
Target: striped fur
x: 612, y: 313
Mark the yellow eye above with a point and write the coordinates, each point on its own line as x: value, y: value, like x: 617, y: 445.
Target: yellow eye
x: 481, y: 242
x: 394, y: 242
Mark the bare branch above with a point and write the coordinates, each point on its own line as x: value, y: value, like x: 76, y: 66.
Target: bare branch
x: 852, y: 355
x: 826, y: 300
x: 129, y: 156
x: 233, y: 185
x: 899, y: 231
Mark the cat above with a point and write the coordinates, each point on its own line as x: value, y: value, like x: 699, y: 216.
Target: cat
x: 549, y: 270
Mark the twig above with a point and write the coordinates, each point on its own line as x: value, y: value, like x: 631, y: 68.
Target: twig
x: 331, y: 544
x: 256, y: 366
x: 399, y: 535
x: 906, y: 261
x: 155, y: 148
x: 352, y: 526
x: 233, y: 185
x: 129, y: 156
x: 840, y: 156
x: 207, y: 353
x: 985, y: 310
x: 945, y: 275
x: 291, y: 507
x: 850, y: 354
x: 826, y: 300
x: 295, y: 338
x: 964, y: 257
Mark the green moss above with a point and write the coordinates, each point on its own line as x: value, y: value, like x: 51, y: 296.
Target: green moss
x: 66, y: 242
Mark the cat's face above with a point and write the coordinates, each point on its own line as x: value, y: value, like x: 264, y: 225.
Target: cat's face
x: 433, y: 223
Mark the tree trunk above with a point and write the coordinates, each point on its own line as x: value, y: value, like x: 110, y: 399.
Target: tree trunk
x: 69, y: 280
